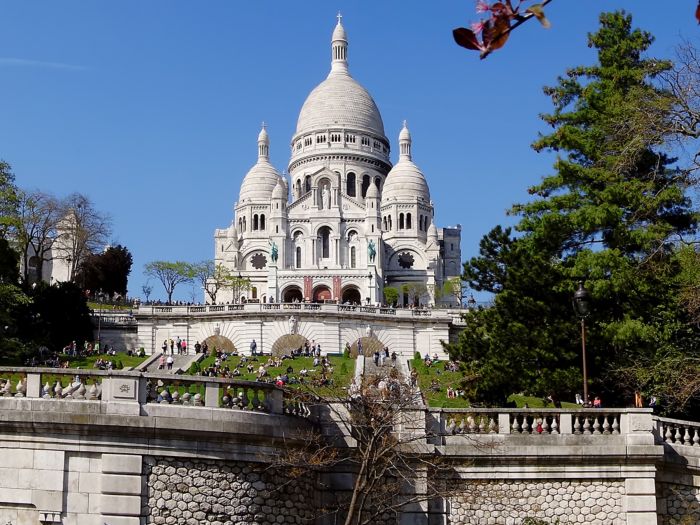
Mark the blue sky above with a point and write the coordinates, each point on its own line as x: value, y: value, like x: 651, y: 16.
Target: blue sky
x: 152, y: 109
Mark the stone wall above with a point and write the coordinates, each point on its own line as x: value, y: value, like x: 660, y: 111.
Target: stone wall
x: 595, y: 502
x: 203, y: 492
x: 681, y: 504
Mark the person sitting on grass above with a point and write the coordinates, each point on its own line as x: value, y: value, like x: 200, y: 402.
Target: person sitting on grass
x: 435, y: 385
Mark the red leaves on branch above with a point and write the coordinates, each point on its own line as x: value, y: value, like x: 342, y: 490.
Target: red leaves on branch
x: 697, y: 13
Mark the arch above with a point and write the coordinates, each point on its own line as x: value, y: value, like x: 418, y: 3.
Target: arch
x: 220, y: 342
x: 286, y: 343
x: 366, y: 181
x: 322, y: 293
x: 255, y: 222
x: 297, y: 257
x: 351, y: 294
x: 353, y: 257
x: 324, y: 233
x: 292, y: 294
x: 378, y: 183
x: 253, y: 292
x: 307, y: 183
x: 384, y: 223
x: 262, y: 221
x: 351, y: 185
x: 408, y: 221
x: 369, y: 346
x: 401, y: 223
x: 298, y: 192
x: 244, y: 224
x: 391, y: 225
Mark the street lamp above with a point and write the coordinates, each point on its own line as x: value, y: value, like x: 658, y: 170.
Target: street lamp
x: 471, y: 302
x: 582, y: 307
x: 369, y: 276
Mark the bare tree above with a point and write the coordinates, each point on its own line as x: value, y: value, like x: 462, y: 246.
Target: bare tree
x: 83, y: 230
x: 38, y: 216
x: 211, y: 276
x: 377, y: 432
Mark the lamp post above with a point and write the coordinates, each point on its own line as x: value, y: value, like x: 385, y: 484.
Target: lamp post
x: 582, y: 307
x: 471, y: 303
x: 369, y: 276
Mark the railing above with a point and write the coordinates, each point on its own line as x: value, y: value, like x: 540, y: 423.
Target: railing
x: 678, y: 432
x: 113, y: 319
x: 543, y: 422
x: 280, y: 308
x: 143, y: 389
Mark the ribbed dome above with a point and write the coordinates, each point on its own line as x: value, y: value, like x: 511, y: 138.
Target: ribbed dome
x: 372, y: 192
x: 262, y: 178
x: 405, y: 182
x: 280, y: 191
x: 339, y: 101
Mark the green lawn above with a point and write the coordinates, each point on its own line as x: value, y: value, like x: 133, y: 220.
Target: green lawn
x: 101, y: 306
x: 536, y: 402
x: 343, y: 368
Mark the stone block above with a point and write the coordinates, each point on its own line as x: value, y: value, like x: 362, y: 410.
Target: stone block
x: 640, y: 503
x: 40, y: 479
x: 120, y: 520
x: 636, y: 486
x: 95, y: 465
x: 122, y: 409
x: 94, y: 503
x: 17, y: 458
x: 120, y: 505
x: 121, y: 464
x: 78, y: 463
x: 48, y: 500
x: 49, y: 459
x: 16, y: 496
x: 8, y: 477
x: 647, y: 518
x: 76, y: 502
x: 121, y: 484
x: 89, y: 482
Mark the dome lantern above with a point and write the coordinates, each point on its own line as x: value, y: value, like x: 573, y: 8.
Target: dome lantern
x: 263, y: 144
x: 405, y: 142
x: 339, y: 48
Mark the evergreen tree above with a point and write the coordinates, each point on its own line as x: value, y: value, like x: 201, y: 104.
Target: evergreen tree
x: 611, y: 214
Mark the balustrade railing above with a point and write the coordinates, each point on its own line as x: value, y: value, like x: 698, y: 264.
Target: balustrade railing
x: 678, y: 432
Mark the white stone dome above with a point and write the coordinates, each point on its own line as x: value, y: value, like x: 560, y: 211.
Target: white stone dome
x: 340, y: 101
x: 405, y: 182
x: 280, y: 191
x: 372, y: 191
x: 262, y: 178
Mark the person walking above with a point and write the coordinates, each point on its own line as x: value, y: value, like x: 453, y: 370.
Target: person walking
x: 169, y: 361
x: 253, y: 347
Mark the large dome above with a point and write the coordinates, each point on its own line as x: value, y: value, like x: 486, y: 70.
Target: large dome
x: 339, y: 101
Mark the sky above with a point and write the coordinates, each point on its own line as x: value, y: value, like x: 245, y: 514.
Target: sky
x: 152, y: 109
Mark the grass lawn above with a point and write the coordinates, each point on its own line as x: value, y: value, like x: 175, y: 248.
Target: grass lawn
x: 437, y: 398
x: 101, y: 306
x: 343, y: 368
x: 537, y: 402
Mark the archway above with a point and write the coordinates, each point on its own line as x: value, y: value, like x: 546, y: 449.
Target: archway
x: 351, y: 295
x: 292, y: 294
x: 321, y: 294
x: 219, y: 342
x: 288, y: 343
x: 369, y: 346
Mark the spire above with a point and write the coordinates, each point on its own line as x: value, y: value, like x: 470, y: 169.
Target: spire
x: 263, y: 144
x: 405, y: 143
x: 339, y: 48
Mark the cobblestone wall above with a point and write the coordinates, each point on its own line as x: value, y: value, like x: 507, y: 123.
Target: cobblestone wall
x: 596, y: 502
x: 682, y: 504
x: 222, y: 493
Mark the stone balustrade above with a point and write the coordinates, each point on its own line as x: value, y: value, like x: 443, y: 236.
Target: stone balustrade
x: 546, y: 422
x: 678, y: 432
x: 146, y: 388
x: 331, y: 308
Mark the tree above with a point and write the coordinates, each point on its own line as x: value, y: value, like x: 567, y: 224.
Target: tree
x: 8, y: 200
x: 12, y: 299
x: 238, y: 286
x: 82, y: 230
x: 611, y: 214
x: 391, y: 295
x: 38, y: 215
x: 170, y: 274
x: 147, y: 289
x: 414, y: 292
x: 107, y: 271
x: 211, y: 276
x: 376, y: 432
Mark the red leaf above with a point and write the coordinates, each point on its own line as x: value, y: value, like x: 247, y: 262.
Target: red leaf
x: 697, y: 13
x: 466, y: 38
x: 496, y: 32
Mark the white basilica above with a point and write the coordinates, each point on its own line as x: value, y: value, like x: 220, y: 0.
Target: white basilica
x: 355, y: 223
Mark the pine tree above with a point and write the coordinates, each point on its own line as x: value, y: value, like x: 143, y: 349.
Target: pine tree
x: 611, y: 214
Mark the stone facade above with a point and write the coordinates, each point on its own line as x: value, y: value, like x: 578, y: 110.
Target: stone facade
x: 596, y: 502
x: 681, y: 504
x: 224, y: 493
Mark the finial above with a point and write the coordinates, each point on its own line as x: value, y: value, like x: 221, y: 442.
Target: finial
x: 264, y: 127
x: 405, y: 124
x: 339, y: 17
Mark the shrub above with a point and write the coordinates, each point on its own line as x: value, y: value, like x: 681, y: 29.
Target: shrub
x: 194, y: 369
x: 346, y: 354
x: 417, y: 356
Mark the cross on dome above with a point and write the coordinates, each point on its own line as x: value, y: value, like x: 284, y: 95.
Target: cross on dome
x: 339, y: 17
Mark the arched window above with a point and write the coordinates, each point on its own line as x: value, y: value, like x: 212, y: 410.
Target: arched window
x: 255, y: 222
x: 254, y: 292
x: 351, y: 184
x: 244, y: 224
x: 297, y: 257
x: 400, y: 221
x: 384, y: 222
x: 378, y: 183
x: 353, y: 257
x: 262, y: 222
x: 298, y: 188
x: 307, y: 184
x: 366, y: 181
x: 408, y: 221
x: 325, y: 238
x: 391, y: 225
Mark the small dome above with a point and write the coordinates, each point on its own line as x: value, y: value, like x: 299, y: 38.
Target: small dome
x: 432, y: 231
x: 405, y: 181
x: 339, y: 31
x: 372, y: 192
x: 280, y: 191
x: 262, y: 178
